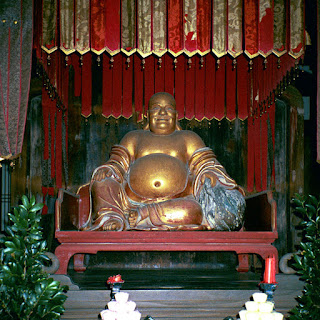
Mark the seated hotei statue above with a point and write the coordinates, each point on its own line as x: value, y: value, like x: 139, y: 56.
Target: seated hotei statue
x: 163, y: 178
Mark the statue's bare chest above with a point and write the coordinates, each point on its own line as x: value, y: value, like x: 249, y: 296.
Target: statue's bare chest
x: 173, y: 145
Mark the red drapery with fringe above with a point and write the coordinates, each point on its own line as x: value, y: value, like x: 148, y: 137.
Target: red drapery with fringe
x: 15, y: 73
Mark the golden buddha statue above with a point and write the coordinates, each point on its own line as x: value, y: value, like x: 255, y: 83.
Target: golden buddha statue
x: 163, y: 178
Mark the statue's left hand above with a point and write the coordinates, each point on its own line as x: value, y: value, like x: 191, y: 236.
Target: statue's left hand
x: 211, y: 176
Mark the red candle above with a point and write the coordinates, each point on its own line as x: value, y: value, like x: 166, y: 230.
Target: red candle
x: 270, y: 270
x: 274, y: 269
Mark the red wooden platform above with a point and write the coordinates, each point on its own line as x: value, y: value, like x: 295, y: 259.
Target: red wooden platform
x: 256, y: 237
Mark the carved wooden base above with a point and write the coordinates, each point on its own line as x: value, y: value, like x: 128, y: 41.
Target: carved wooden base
x: 78, y: 263
x: 77, y: 244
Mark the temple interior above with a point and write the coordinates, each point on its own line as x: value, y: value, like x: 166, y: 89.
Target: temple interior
x: 78, y: 77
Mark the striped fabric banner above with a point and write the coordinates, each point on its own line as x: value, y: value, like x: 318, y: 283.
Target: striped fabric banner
x: 219, y: 28
x: 67, y: 25
x: 279, y: 28
x: 266, y: 19
x: 81, y: 18
x: 296, y: 28
x: 49, y: 38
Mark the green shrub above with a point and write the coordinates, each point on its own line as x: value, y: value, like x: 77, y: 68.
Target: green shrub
x: 26, y: 291
x: 307, y: 260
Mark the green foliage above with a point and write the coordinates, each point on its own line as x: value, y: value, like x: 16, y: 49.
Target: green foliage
x: 307, y: 261
x: 26, y: 292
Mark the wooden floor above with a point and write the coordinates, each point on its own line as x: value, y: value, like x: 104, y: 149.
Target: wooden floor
x: 177, y: 303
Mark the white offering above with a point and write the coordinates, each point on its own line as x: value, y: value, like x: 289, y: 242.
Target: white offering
x: 252, y: 306
x: 135, y: 315
x: 277, y: 315
x: 108, y: 315
x: 266, y: 316
x: 266, y: 307
x: 242, y: 314
x: 253, y: 315
x: 121, y: 309
x: 112, y: 305
x: 259, y: 297
x: 122, y: 316
x: 129, y: 306
x: 259, y: 309
x: 122, y: 296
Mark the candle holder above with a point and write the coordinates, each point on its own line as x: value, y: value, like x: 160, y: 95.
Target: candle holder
x: 268, y: 289
x: 115, y: 283
x: 115, y: 288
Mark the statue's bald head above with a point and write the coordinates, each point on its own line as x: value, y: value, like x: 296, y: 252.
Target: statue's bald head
x: 162, y: 95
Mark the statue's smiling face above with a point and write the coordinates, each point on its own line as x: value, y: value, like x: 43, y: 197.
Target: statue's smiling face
x: 162, y: 114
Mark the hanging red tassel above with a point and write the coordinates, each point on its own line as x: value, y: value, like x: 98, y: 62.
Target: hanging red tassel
x: 251, y: 140
x: 169, y: 74
x: 138, y: 87
x: 190, y: 68
x: 148, y: 80
x: 159, y: 69
x: 242, y: 87
x: 257, y: 70
x: 77, y: 74
x: 127, y: 86
x: 231, y: 88
x: 251, y: 146
x: 210, y: 86
x: 117, y: 86
x: 106, y: 86
x: 257, y: 154
x: 268, y: 80
x: 271, y: 115
x: 220, y: 89
x: 199, y: 87
x: 65, y: 82
x: 264, y: 150
x: 179, y: 85
x: 86, y: 87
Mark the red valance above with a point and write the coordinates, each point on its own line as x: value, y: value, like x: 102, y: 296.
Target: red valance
x: 255, y: 27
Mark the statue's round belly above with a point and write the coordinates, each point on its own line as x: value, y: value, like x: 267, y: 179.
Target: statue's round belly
x: 158, y: 175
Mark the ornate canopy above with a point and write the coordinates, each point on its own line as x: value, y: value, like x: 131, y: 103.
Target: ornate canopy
x: 219, y: 58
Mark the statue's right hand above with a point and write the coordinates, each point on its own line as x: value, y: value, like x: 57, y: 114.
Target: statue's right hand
x: 102, y: 173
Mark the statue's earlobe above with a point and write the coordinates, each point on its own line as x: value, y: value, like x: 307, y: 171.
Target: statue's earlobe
x: 178, y: 127
x: 147, y: 127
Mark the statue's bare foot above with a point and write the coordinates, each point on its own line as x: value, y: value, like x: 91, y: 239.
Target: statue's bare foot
x: 113, y: 226
x: 133, y: 218
x: 107, y: 222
